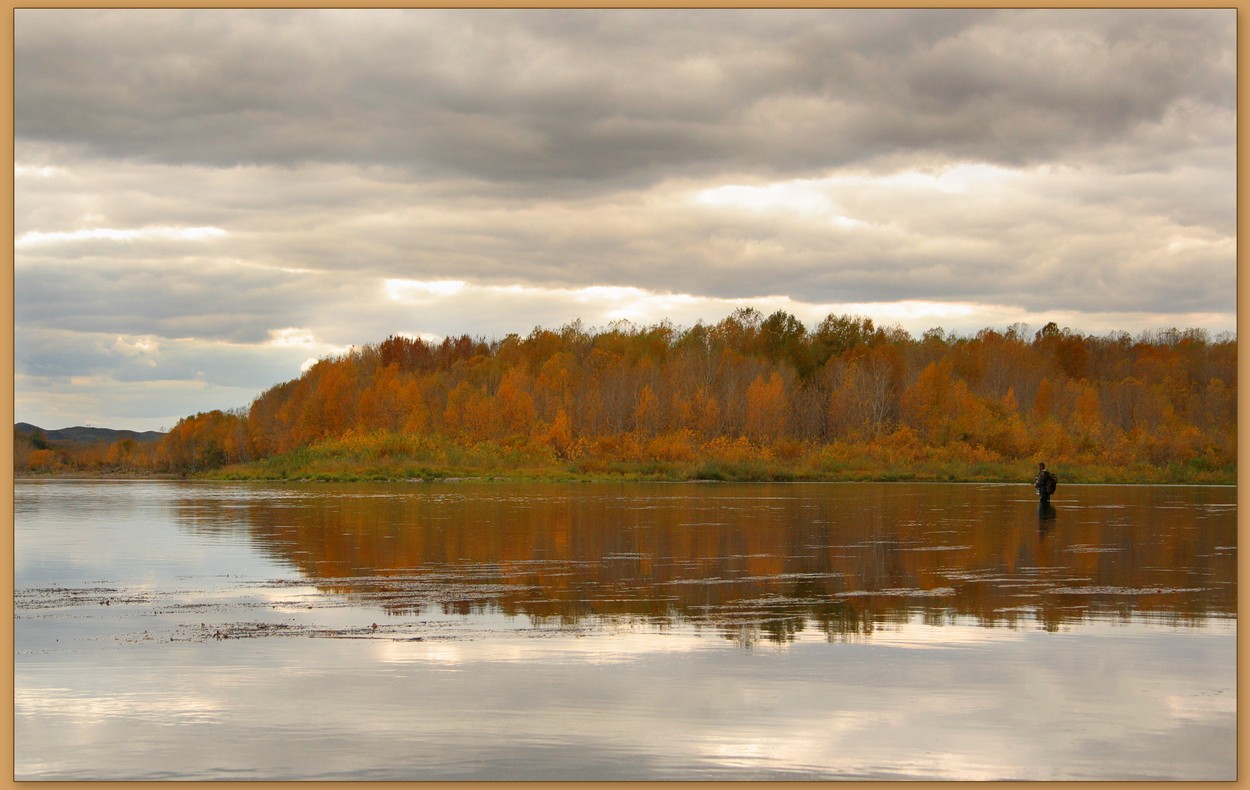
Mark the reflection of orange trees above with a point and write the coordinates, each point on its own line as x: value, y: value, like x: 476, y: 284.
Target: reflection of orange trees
x: 588, y: 400
x: 746, y: 560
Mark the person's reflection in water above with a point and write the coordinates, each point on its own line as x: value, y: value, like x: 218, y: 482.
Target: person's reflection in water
x: 1045, y: 518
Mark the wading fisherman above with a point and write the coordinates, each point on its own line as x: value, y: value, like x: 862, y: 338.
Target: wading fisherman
x: 1045, y: 483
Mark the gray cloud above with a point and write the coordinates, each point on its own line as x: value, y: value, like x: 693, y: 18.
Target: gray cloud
x: 607, y: 96
x: 172, y: 298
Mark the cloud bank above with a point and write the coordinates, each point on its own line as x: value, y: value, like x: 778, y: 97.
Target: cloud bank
x: 196, y: 188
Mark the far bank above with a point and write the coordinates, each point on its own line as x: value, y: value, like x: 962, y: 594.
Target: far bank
x: 392, y: 459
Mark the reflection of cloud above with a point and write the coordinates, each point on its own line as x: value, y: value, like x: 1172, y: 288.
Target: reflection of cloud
x: 1202, y: 707
x: 437, y: 653
x: 610, y: 641
x: 95, y: 707
x: 918, y: 635
x: 592, y: 648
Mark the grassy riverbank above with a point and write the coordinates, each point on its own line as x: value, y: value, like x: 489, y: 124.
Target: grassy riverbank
x: 381, y: 457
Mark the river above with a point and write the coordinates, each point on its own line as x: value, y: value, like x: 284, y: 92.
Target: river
x: 622, y: 631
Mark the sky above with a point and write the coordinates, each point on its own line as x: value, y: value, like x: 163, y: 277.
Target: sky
x: 206, y: 201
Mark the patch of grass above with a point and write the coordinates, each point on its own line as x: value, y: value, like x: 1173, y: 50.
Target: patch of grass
x: 396, y: 457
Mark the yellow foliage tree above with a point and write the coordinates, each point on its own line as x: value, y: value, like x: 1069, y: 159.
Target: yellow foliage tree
x: 647, y: 412
x: 559, y: 435
x: 514, y: 411
x: 767, y: 414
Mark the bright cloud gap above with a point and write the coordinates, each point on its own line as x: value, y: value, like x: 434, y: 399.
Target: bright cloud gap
x: 157, y: 233
x: 602, y: 304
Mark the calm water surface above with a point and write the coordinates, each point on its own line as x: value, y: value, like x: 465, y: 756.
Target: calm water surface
x: 169, y: 630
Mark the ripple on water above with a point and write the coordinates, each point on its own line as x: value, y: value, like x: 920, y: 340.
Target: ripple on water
x: 1094, y: 549
x: 1109, y: 590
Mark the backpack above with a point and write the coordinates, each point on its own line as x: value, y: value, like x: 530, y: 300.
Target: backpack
x: 1052, y: 483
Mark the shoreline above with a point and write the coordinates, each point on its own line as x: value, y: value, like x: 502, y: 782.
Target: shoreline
x: 568, y: 477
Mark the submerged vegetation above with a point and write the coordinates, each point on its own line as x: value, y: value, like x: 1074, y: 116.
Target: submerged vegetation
x: 749, y: 398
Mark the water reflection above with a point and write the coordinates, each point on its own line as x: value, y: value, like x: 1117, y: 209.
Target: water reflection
x: 752, y: 562
x: 1046, y: 512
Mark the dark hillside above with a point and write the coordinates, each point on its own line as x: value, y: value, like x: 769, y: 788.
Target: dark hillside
x: 84, y: 435
x: 81, y: 449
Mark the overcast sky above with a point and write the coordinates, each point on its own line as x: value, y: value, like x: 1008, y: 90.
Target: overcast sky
x: 208, y: 199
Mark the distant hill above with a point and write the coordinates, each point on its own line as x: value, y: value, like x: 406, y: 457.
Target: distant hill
x: 84, y: 435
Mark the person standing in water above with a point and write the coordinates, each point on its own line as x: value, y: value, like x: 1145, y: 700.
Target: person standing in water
x: 1045, y: 483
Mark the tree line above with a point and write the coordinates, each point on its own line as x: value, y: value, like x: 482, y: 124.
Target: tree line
x: 751, y: 387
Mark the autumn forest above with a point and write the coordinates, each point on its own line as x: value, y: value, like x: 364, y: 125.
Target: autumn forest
x: 748, y: 398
